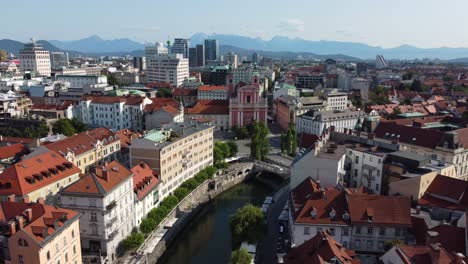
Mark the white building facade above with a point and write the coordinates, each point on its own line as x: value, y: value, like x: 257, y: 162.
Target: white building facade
x: 34, y: 58
x: 168, y: 68
x: 314, y: 122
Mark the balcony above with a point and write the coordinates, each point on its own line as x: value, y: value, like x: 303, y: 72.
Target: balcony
x: 111, y: 205
x: 112, y: 221
x: 113, y: 235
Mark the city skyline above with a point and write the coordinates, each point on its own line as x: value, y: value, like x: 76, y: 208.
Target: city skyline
x: 394, y: 23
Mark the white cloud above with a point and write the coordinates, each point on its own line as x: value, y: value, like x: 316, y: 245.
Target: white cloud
x: 291, y: 25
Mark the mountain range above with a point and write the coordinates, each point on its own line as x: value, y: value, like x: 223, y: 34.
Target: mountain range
x: 279, y: 46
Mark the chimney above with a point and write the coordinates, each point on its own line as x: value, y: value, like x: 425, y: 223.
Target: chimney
x: 12, y: 227
x: 41, y: 200
x: 28, y: 214
x: 459, y: 258
x: 105, y: 174
x: 26, y: 199
x: 11, y: 198
x: 435, y: 253
x: 20, y: 221
x: 431, y: 237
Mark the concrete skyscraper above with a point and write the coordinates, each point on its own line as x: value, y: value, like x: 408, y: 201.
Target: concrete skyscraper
x: 181, y: 46
x: 34, y: 58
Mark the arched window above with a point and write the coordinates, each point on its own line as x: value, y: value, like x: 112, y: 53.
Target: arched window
x: 20, y: 242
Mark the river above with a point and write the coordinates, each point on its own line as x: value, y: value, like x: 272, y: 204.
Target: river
x: 208, y: 239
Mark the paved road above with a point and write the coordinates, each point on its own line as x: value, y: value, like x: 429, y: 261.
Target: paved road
x: 268, y: 248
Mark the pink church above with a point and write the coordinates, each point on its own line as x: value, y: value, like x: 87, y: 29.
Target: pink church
x: 246, y: 103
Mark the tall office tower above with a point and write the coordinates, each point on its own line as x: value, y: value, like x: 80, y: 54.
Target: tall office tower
x: 34, y: 58
x: 231, y: 59
x: 361, y: 68
x: 211, y: 50
x: 193, y: 57
x: 59, y: 59
x: 168, y: 68
x: 200, y: 55
x: 255, y: 58
x: 181, y: 46
x: 151, y: 50
x: 380, y: 62
x: 139, y: 63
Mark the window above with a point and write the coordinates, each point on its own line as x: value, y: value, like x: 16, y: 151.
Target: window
x: 382, y: 231
x: 20, y: 242
x: 345, y: 244
x: 332, y: 231
x: 357, y: 243
x: 65, y: 240
x: 57, y: 247
x: 74, y: 249
x: 20, y: 259
x: 345, y: 231
x: 369, y: 243
x: 358, y: 230
x: 73, y: 233
x: 355, y: 173
x: 93, y: 217
x: 48, y: 255
x: 356, y: 160
x: 319, y: 229
x: 380, y: 244
x: 397, y: 231
x: 66, y: 257
x: 369, y: 230
x: 94, y: 230
x: 306, y: 230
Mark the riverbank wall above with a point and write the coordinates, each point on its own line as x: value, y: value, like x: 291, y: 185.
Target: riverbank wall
x: 190, y: 206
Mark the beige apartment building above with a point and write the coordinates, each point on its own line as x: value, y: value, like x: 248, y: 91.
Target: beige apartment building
x: 176, y: 153
x: 38, y: 233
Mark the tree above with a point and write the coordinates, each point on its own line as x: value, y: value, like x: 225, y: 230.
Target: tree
x: 190, y: 184
x: 396, y: 112
x: 465, y: 115
x: 289, y: 138
x: 181, y: 193
x: 259, y: 146
x: 3, y: 55
x: 164, y: 93
x: 241, y: 256
x: 170, y: 202
x: 148, y: 225
x: 407, y: 101
x: 284, y: 143
x: 294, y: 142
x: 78, y: 125
x: 217, y: 155
x: 233, y: 148
x: 417, y: 86
x: 63, y: 126
x: 133, y: 241
x: 247, y: 224
x: 111, y: 80
x: 225, y: 150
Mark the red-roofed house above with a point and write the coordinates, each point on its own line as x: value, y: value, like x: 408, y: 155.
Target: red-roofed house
x: 145, y: 186
x: 162, y: 111
x: 106, y: 199
x: 187, y: 96
x: 321, y: 249
x: 430, y: 254
x: 10, y: 154
x: 215, y: 110
x: 42, y: 176
x: 208, y: 92
x: 355, y: 219
x: 38, y: 233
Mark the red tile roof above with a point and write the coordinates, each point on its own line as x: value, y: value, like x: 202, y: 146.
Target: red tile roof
x: 158, y: 85
x: 78, y: 144
x: 168, y: 105
x: 451, y: 237
x: 205, y: 88
x: 43, y: 218
x: 144, y: 180
x: 16, y: 140
x: 422, y: 255
x: 103, y: 180
x: 446, y: 192
x: 380, y: 210
x: 320, y: 250
x: 184, y: 92
x: 209, y: 107
x: 103, y: 134
x: 35, y: 173
x: 15, y: 150
x: 408, y: 133
x: 126, y: 137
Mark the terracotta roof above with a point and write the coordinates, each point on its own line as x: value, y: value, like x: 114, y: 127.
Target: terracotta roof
x: 380, y: 210
x: 168, y: 105
x: 209, y: 107
x: 422, y: 254
x: 446, y: 192
x: 43, y: 218
x: 159, y: 85
x: 15, y: 150
x: 100, y: 182
x: 144, y: 180
x: 308, y: 140
x: 205, y: 88
x: 16, y: 140
x: 320, y: 250
x: 35, y: 173
x: 408, y: 133
x: 184, y: 92
x: 78, y: 144
x: 102, y: 134
x: 126, y: 137
x: 451, y: 237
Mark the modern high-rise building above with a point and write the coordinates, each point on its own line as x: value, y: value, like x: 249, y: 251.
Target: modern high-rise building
x: 380, y: 62
x: 168, y: 68
x: 34, y: 58
x: 255, y: 58
x: 200, y: 55
x: 211, y: 49
x: 59, y: 59
x: 151, y: 50
x: 181, y: 46
x: 139, y: 63
x: 193, y: 57
x: 231, y: 59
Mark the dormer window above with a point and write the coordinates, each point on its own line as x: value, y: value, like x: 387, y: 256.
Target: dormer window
x: 332, y: 213
x: 313, y: 212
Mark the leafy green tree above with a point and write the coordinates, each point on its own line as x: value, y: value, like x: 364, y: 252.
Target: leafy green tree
x: 221, y: 165
x: 224, y: 149
x: 170, y: 202
x: 181, y: 193
x: 417, y: 86
x: 210, y: 171
x: 42, y: 130
x: 233, y: 148
x: 247, y: 224
x: 293, y: 142
x: 147, y: 225
x: 240, y: 256
x: 164, y: 93
x: 133, y: 241
x: 63, y: 126
x: 259, y: 146
x: 217, y: 155
x: 289, y: 138
x: 284, y: 143
x: 190, y: 184
x: 158, y: 214
x: 111, y: 80
x: 78, y: 125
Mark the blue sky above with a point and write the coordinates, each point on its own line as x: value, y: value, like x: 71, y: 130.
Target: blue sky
x: 386, y: 23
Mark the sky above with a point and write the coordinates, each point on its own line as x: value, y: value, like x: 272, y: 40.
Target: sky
x: 385, y: 23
